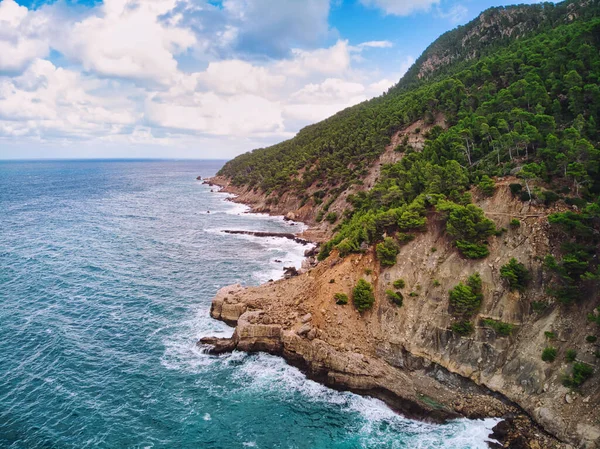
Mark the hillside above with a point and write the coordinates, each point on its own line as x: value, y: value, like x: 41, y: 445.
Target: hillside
x: 474, y: 183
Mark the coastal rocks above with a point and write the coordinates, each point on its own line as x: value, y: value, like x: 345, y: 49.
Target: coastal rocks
x: 224, y: 307
x: 289, y: 272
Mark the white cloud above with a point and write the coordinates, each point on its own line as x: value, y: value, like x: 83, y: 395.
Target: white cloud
x: 122, y: 80
x: 375, y: 44
x: 456, y: 14
x: 46, y: 100
x: 127, y: 39
x: 19, y: 44
x: 401, y: 7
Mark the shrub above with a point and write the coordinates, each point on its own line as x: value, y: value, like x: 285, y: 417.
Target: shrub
x: 549, y: 354
x: 436, y: 283
x: 516, y: 189
x: 387, y: 252
x: 363, y: 296
x: 515, y: 223
x: 463, y: 328
x: 413, y: 294
x: 549, y: 197
x: 395, y: 297
x: 465, y: 299
x: 550, y: 335
x: 332, y: 281
x: 433, y: 249
x: 581, y: 373
x: 539, y: 306
x: 331, y: 217
x: 399, y: 283
x: 501, y: 328
x: 516, y: 274
x: 591, y: 339
x: 487, y: 185
x: 571, y: 355
x: 525, y: 196
x: 368, y: 271
x: 341, y: 298
x: 319, y: 216
x: 472, y: 250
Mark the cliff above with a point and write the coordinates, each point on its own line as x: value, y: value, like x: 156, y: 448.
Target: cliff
x: 481, y: 164
x: 409, y: 357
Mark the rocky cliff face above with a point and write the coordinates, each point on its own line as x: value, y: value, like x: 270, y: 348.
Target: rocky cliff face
x: 408, y: 355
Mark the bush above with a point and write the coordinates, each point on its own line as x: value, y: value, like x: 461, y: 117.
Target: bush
x: 331, y: 217
x: 363, y: 296
x: 436, y: 283
x: 549, y: 354
x: 550, y: 335
x: 501, y: 328
x: 387, y: 252
x: 525, y: 196
x: 571, y: 355
x: 472, y: 250
x: 341, y: 298
x: 399, y: 283
x: 581, y: 373
x: 515, y: 223
x: 549, y: 197
x: 395, y: 297
x: 591, y: 339
x: 516, y: 189
x: 539, y: 306
x: 465, y: 299
x: 368, y: 271
x: 413, y: 294
x: 463, y: 328
x: 487, y: 185
x: 516, y: 274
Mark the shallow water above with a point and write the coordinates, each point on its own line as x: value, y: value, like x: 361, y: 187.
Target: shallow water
x: 107, y: 269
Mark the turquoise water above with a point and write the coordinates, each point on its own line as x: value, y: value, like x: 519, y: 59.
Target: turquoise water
x: 107, y: 270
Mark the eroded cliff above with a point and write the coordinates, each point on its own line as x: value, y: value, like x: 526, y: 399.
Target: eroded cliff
x: 409, y: 356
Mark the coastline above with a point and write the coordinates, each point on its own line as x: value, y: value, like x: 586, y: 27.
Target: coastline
x: 258, y: 328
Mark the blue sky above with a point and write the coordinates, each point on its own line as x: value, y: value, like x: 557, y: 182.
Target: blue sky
x: 198, y: 78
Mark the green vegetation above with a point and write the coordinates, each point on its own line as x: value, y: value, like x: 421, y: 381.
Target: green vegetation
x: 516, y: 274
x: 395, y: 297
x: 413, y: 294
x: 469, y: 226
x: 463, y: 328
x: 539, y: 306
x: 550, y: 335
x: 436, y: 283
x: 591, y: 339
x: 487, y: 185
x: 581, y: 373
x: 387, y: 252
x: 363, y: 296
x: 399, y: 284
x: 341, y: 298
x: 570, y: 355
x: 465, y: 299
x: 331, y: 217
x: 549, y: 354
x: 501, y: 328
x: 515, y: 223
x: 526, y: 106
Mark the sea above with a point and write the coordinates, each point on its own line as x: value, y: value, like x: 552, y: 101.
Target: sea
x: 107, y: 271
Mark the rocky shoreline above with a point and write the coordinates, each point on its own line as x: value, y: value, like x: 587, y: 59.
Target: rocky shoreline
x: 295, y: 318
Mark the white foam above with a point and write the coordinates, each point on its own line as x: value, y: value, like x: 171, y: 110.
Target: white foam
x: 207, y: 417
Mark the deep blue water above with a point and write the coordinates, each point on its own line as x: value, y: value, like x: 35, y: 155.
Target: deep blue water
x: 107, y: 270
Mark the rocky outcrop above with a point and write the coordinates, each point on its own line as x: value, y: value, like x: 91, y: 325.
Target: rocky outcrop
x: 408, y: 356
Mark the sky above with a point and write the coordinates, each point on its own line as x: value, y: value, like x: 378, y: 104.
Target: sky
x: 198, y: 78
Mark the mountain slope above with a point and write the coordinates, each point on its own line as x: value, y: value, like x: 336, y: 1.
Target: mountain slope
x: 475, y: 181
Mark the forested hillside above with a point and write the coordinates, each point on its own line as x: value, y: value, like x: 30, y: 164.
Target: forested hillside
x: 520, y: 96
